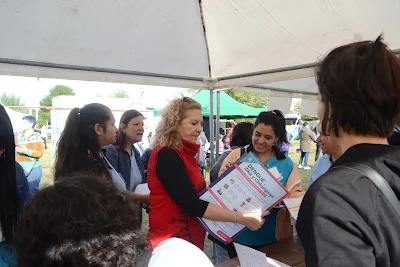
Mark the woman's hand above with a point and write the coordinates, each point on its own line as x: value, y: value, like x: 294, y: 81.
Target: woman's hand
x: 227, y: 165
x: 252, y: 220
x: 21, y: 149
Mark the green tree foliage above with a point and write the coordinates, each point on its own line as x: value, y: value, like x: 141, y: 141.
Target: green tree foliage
x: 44, y: 114
x: 13, y: 100
x: 250, y: 99
x: 119, y: 94
x: 296, y: 108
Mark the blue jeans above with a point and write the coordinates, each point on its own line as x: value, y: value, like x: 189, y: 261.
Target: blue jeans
x: 220, y: 254
x: 34, y: 179
x: 304, y: 155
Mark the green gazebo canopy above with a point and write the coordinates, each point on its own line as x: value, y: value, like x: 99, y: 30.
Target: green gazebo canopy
x: 229, y: 107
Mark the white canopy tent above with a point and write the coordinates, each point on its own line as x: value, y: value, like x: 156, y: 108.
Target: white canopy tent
x: 246, y: 45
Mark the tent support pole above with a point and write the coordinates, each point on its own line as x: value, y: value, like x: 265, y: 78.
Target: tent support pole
x: 217, y: 127
x: 212, y: 128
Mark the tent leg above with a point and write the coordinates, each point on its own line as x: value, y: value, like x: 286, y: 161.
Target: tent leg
x: 212, y: 159
x: 217, y: 126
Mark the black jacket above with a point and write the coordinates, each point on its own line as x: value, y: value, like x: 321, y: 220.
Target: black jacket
x: 345, y: 220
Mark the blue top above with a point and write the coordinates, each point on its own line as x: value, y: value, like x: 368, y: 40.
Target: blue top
x: 320, y: 167
x: 23, y: 192
x: 266, y: 234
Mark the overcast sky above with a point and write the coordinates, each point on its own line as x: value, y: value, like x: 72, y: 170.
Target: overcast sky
x: 32, y: 90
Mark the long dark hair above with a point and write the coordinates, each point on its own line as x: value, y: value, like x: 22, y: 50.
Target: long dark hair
x: 126, y: 117
x: 8, y: 195
x: 78, y: 137
x: 276, y: 120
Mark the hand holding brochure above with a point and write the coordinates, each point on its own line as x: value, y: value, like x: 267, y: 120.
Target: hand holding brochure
x: 245, y: 187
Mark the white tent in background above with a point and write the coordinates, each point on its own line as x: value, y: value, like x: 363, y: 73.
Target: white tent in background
x: 250, y: 45
x: 15, y: 117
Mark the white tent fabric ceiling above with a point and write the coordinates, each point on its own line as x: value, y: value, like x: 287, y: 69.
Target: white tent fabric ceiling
x: 266, y: 44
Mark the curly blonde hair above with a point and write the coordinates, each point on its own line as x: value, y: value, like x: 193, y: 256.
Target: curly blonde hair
x: 167, y: 133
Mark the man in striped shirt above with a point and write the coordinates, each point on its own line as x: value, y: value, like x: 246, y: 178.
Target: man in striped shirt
x: 29, y: 148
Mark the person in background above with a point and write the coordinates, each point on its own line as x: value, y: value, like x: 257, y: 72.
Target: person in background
x: 87, y: 131
x: 331, y: 153
x: 175, y: 180
x: 125, y: 158
x: 344, y: 219
x: 318, y: 145
x: 44, y: 137
x: 201, y: 156
x: 226, y: 141
x: 268, y: 135
x: 149, y: 137
x: 285, y: 148
x: 240, y: 137
x: 306, y: 138
x: 14, y: 190
x: 29, y: 150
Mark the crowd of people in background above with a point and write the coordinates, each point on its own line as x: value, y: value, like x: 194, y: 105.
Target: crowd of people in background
x: 92, y: 214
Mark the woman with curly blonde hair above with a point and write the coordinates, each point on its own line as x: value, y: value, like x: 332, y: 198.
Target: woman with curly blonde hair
x: 175, y: 180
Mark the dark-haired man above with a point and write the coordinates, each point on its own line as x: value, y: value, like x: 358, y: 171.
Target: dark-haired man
x: 29, y: 148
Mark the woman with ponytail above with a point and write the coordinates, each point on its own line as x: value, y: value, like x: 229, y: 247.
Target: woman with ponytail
x: 268, y: 136
x: 14, y: 190
x: 86, y: 132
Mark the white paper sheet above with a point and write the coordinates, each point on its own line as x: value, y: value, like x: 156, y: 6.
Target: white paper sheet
x: 249, y: 257
x: 293, y: 205
x: 142, y: 189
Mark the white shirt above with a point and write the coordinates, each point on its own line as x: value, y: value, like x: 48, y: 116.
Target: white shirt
x: 176, y: 252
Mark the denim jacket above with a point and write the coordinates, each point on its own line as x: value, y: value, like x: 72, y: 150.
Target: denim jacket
x: 121, y: 161
x: 23, y: 192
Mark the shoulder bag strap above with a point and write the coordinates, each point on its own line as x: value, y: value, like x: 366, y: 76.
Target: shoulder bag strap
x: 377, y: 179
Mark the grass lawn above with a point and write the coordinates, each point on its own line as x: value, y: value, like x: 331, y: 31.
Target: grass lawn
x: 47, y: 179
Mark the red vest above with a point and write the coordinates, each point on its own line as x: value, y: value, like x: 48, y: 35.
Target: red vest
x: 166, y: 218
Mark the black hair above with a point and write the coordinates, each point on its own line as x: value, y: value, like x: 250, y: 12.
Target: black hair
x: 30, y: 119
x: 79, y: 221
x: 276, y: 120
x: 79, y: 139
x: 126, y: 117
x: 359, y: 84
x: 241, y: 134
x: 8, y: 195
